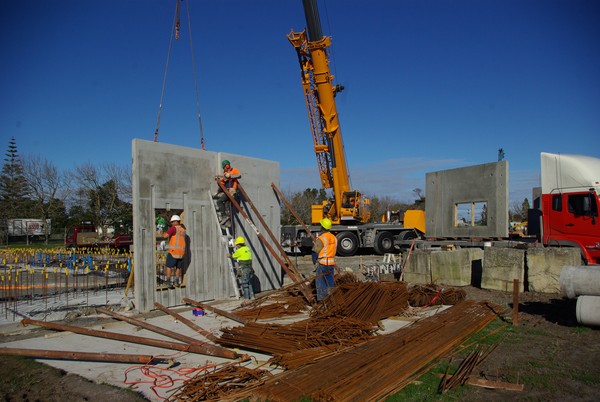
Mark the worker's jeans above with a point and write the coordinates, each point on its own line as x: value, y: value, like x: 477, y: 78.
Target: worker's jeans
x: 245, y: 281
x: 324, y: 281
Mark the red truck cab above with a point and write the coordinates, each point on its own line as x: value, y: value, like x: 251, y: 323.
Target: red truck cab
x: 570, y: 203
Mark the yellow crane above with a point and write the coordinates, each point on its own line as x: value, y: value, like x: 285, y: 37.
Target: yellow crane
x: 346, y: 205
x: 348, y: 209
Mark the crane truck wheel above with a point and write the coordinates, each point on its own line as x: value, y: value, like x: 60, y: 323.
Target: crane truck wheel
x: 408, y: 235
x: 347, y: 244
x: 384, y: 243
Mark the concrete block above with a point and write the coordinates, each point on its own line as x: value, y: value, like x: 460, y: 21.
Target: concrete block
x: 418, y: 269
x: 544, y: 265
x: 501, y: 266
x: 452, y: 268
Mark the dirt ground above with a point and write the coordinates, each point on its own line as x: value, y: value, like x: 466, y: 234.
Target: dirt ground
x: 555, y: 358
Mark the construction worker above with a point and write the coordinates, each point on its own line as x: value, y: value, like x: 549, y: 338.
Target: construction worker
x: 230, y: 180
x: 174, y: 262
x: 245, y: 272
x: 324, y: 255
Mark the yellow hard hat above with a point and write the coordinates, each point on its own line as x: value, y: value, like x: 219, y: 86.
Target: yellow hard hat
x: 239, y: 240
x: 325, y: 223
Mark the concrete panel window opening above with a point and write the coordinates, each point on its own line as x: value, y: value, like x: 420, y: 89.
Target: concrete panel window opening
x: 170, y: 270
x: 473, y: 213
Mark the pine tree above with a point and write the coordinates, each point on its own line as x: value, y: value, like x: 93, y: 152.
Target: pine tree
x: 13, y: 187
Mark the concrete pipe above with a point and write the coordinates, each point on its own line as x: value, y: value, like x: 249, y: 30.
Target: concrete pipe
x: 580, y: 280
x: 588, y: 310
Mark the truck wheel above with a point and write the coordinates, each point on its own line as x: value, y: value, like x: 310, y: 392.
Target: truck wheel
x: 408, y: 235
x: 384, y: 243
x: 347, y: 244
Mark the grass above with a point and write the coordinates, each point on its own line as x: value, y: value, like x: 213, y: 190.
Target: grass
x: 426, y: 387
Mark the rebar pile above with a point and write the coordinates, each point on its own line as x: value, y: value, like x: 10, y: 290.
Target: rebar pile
x: 432, y: 294
x: 216, y: 385
x: 345, y: 277
x: 383, y: 366
x: 292, y: 305
x: 298, y: 358
x: 365, y: 301
x: 315, y: 332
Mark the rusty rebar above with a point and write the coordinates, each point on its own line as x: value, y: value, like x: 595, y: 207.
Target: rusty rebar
x: 86, y: 356
x: 192, y: 348
x: 187, y: 322
x: 216, y: 310
x: 150, y: 327
x: 390, y: 362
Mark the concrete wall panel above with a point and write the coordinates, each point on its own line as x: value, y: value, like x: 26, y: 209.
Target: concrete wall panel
x: 179, y: 178
x: 482, y: 183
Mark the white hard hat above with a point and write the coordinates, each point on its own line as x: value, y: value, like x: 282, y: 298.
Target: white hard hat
x: 175, y: 218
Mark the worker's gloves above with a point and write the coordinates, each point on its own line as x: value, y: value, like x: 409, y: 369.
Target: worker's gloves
x: 232, y: 191
x: 227, y: 175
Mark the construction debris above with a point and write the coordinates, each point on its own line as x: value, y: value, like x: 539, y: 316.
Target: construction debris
x: 338, y: 337
x: 468, y: 365
x: 428, y: 295
x: 397, y: 358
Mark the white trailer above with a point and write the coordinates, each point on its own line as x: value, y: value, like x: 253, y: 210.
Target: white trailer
x: 28, y: 227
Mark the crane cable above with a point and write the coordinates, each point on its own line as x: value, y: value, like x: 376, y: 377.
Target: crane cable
x: 175, y: 34
x: 187, y: 5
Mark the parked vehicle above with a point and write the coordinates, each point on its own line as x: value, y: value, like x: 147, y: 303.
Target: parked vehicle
x: 566, y: 213
x: 33, y: 228
x: 89, y: 235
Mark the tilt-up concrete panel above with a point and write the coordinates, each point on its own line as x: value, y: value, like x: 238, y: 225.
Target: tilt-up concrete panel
x: 181, y: 179
x: 448, y: 191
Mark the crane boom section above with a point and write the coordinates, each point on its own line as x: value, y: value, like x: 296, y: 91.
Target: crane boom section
x: 319, y: 94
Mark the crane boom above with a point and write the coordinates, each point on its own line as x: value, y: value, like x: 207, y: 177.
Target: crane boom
x: 319, y: 93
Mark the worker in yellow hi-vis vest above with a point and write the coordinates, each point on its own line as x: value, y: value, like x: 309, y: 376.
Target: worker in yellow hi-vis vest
x: 243, y: 255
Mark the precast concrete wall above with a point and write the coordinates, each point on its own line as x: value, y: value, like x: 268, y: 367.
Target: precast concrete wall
x: 544, y: 266
x: 178, y: 178
x: 487, y: 183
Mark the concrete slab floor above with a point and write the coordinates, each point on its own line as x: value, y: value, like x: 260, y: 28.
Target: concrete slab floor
x: 157, y: 381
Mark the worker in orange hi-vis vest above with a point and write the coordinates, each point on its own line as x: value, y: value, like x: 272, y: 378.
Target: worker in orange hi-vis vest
x: 174, y: 263
x: 229, y: 179
x: 324, y: 254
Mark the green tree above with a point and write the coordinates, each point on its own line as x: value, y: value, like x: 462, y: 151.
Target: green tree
x: 13, y: 189
x: 13, y: 186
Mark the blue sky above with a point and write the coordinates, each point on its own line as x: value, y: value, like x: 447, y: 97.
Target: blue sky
x: 430, y: 84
